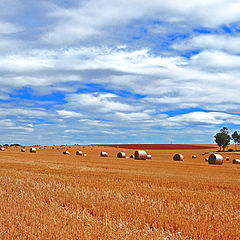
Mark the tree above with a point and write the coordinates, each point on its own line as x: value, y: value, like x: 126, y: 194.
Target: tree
x: 236, y: 138
x: 223, y: 138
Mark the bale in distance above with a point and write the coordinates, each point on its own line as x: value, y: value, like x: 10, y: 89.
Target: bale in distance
x: 194, y: 156
x: 84, y: 154
x: 203, y: 154
x: 140, y: 155
x: 236, y: 161
x: 23, y: 150
x: 33, y: 150
x: 149, y: 156
x: 178, y: 157
x: 104, y: 154
x: 2, y: 149
x: 206, y: 159
x: 215, y: 159
x: 66, y: 152
x: 227, y: 158
x: 79, y: 153
x: 121, y: 155
x: 132, y: 156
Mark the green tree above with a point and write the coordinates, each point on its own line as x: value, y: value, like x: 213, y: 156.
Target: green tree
x: 222, y: 138
x: 236, y: 138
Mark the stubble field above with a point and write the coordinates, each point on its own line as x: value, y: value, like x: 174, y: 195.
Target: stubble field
x: 48, y: 195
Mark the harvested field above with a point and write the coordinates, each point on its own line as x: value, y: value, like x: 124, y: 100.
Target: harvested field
x: 49, y: 195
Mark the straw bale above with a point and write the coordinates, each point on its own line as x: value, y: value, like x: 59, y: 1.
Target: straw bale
x: 140, y: 155
x: 236, y: 161
x: 215, y: 159
x: 121, y: 155
x: 79, y: 153
x: 66, y: 152
x: 33, y: 150
x: 104, y: 154
x: 178, y: 157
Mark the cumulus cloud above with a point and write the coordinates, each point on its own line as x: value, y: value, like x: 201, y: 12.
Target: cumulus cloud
x: 216, y: 60
x: 138, y: 116
x: 110, y: 67
x: 69, y: 114
x: 97, y: 102
x: 221, y: 42
x: 86, y: 20
x: 214, y: 118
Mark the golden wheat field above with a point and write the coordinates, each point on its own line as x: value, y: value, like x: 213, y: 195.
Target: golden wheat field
x: 48, y: 195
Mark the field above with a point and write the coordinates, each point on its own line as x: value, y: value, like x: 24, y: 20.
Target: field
x: 48, y: 195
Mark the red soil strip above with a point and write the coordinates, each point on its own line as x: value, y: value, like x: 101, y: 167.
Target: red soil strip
x: 158, y: 146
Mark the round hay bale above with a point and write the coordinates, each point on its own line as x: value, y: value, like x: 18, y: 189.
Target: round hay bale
x: 104, y: 154
x: 23, y: 150
x: 84, y: 154
x: 149, y: 156
x: 132, y: 156
x: 227, y: 158
x: 178, y: 157
x: 66, y: 152
x: 203, y: 154
x: 206, y: 159
x: 140, y: 155
x: 121, y: 155
x: 236, y: 161
x: 2, y: 149
x: 215, y: 159
x: 194, y: 156
x: 33, y: 150
x: 79, y: 153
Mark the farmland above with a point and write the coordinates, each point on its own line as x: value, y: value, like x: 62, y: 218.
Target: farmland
x: 48, y: 195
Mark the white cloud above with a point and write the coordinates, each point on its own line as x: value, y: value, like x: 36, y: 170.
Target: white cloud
x: 7, y: 28
x: 69, y: 114
x: 93, y: 17
x: 23, y: 63
x: 95, y: 123
x: 32, y: 113
x: 97, y: 102
x: 6, y: 123
x: 216, y: 59
x: 204, y: 81
x: 138, y: 116
x: 199, y: 118
x: 145, y: 78
x: 229, y: 43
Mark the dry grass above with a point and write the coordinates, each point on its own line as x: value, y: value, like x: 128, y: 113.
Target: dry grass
x: 51, y: 196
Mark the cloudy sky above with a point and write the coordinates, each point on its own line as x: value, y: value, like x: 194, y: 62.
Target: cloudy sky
x: 118, y: 71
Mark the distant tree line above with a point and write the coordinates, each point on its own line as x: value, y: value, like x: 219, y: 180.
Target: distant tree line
x: 223, y: 138
x: 14, y: 144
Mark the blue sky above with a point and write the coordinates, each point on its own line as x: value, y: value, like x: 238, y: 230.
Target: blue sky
x: 102, y: 71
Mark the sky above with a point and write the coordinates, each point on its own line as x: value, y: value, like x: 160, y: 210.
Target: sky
x: 118, y: 71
